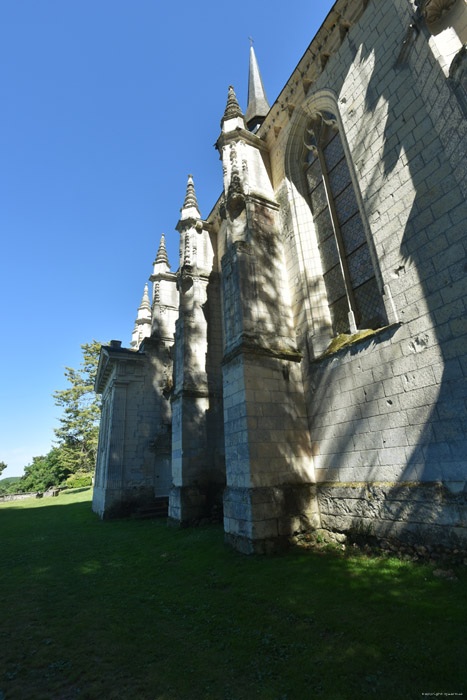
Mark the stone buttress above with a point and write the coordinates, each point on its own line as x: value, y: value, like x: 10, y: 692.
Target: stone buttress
x: 134, y: 454
x: 198, y: 470
x: 270, y: 493
x: 320, y: 349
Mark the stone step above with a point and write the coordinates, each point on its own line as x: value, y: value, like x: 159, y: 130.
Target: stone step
x: 158, y: 509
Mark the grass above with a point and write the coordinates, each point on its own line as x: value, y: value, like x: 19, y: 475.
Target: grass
x: 131, y: 609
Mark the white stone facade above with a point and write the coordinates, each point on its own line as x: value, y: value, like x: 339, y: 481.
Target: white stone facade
x: 345, y: 211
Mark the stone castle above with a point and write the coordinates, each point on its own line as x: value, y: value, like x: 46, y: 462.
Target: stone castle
x: 306, y: 365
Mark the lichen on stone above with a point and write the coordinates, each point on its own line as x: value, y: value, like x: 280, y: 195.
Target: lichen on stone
x: 343, y: 340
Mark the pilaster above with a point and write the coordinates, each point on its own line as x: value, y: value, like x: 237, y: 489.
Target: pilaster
x: 197, y: 466
x: 270, y: 492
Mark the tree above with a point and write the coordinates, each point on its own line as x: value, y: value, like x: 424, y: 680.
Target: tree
x: 9, y: 485
x: 78, y: 433
x: 44, y: 472
x: 3, y: 466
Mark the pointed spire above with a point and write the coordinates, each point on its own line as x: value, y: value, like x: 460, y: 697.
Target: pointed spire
x: 190, y: 209
x: 190, y: 197
x: 145, y: 303
x: 162, y: 256
x: 143, y: 320
x: 232, y: 108
x: 258, y: 105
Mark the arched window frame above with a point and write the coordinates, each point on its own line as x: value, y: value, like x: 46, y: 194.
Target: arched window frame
x: 348, y: 267
x: 299, y: 219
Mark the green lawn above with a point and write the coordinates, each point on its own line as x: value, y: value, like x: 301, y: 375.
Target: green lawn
x: 131, y: 609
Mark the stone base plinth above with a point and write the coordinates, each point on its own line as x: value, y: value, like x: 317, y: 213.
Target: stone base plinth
x: 416, y: 513
x: 190, y: 505
x: 265, y: 519
x: 119, y: 503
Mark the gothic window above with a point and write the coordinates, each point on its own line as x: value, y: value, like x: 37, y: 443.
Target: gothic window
x: 352, y: 291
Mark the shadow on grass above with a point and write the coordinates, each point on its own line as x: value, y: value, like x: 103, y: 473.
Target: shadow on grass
x: 123, y: 608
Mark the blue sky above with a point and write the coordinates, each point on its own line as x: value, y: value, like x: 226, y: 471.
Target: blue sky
x: 106, y: 108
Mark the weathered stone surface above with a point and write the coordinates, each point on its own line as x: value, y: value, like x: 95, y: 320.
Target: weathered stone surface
x: 345, y: 208
x: 428, y: 511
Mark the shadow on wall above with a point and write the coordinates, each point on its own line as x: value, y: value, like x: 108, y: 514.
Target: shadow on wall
x: 271, y: 493
x: 408, y: 420
x: 198, y: 464
x: 433, y: 243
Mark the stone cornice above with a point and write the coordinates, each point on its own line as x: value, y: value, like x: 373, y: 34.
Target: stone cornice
x: 191, y: 392
x: 340, y: 19
x: 168, y: 276
x: 108, y: 359
x: 263, y: 201
x: 240, y: 135
x: 190, y: 222
x: 153, y: 342
x: 250, y: 346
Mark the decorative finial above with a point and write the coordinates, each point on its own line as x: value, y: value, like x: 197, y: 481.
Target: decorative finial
x: 162, y: 256
x: 251, y: 41
x: 232, y: 109
x: 190, y: 197
x: 145, y: 303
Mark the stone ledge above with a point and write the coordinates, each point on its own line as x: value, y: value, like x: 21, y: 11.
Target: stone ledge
x: 345, y: 341
x: 253, y: 346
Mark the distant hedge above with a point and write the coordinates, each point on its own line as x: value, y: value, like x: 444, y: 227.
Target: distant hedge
x: 79, y: 480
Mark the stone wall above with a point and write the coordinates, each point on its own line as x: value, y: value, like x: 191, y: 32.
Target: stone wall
x: 409, y: 512
x: 134, y: 455
x: 53, y: 492
x: 370, y: 434
x: 390, y: 408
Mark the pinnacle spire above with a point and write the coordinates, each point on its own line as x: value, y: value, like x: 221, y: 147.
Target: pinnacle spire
x: 258, y: 105
x: 190, y: 198
x: 162, y: 256
x: 145, y: 303
x: 232, y: 108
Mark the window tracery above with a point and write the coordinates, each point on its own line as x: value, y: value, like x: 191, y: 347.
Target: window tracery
x: 352, y: 291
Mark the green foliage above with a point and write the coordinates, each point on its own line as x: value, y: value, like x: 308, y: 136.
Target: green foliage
x: 79, y: 480
x: 9, y: 485
x: 44, y: 472
x: 78, y: 433
x: 3, y: 466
